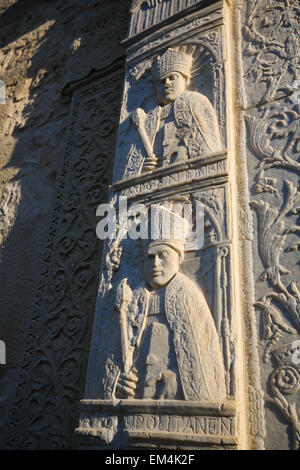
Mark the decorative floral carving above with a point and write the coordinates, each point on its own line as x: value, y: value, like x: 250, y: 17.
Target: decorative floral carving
x: 272, y: 37
x: 272, y: 236
x: 51, y: 385
x: 285, y: 381
x: 271, y: 61
x: 273, y: 324
x: 278, y: 125
x: 290, y: 413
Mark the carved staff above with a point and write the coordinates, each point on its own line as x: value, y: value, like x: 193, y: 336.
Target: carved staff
x: 138, y: 119
x: 123, y: 298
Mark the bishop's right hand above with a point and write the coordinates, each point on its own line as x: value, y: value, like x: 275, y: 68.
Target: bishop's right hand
x: 126, y: 384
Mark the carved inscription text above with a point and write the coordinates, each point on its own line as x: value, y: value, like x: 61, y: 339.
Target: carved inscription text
x: 195, y: 425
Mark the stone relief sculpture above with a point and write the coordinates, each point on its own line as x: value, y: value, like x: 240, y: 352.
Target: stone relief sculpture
x: 271, y: 63
x: 163, y: 363
x: 142, y: 16
x: 184, y: 124
x: 170, y: 344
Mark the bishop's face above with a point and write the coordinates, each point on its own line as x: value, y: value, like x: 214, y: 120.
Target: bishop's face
x: 161, y: 263
x: 170, y: 87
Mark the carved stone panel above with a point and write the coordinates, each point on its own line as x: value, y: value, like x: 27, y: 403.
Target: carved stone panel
x: 166, y: 330
x: 55, y: 357
x: 148, y: 13
x: 271, y: 113
x: 270, y: 50
x: 149, y: 423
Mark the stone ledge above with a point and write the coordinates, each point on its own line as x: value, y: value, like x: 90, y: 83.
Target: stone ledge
x: 123, y: 423
x: 227, y: 408
x: 194, y: 163
x: 180, y: 438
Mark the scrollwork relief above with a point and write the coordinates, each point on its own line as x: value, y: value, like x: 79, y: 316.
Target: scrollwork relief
x: 275, y: 136
x: 52, y: 377
x: 272, y: 236
x: 285, y: 382
x: 272, y: 41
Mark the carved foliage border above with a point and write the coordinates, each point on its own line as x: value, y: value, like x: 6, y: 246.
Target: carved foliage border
x: 52, y: 376
x: 274, y: 138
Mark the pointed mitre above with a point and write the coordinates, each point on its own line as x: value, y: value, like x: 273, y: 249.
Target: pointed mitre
x: 165, y: 227
x: 173, y: 61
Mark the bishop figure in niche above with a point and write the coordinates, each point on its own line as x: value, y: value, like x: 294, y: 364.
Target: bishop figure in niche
x: 170, y: 346
x: 184, y: 125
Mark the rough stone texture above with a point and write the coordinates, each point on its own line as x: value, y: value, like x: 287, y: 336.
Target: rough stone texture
x: 44, y: 48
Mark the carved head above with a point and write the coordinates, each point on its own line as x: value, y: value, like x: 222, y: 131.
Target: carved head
x: 164, y: 249
x: 161, y: 262
x: 171, y: 72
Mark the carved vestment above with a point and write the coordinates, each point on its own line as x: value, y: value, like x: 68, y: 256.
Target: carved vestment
x: 195, y: 128
x: 193, y: 335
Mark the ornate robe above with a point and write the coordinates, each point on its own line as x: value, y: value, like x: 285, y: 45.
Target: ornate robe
x: 183, y: 129
x: 187, y: 127
x: 193, y: 336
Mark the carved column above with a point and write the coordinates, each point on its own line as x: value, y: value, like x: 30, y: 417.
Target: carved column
x: 175, y: 145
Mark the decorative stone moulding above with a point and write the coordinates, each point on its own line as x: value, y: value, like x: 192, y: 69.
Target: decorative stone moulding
x: 150, y: 13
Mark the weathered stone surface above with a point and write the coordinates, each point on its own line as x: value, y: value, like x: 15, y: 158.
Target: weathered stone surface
x: 229, y: 141
x: 144, y: 423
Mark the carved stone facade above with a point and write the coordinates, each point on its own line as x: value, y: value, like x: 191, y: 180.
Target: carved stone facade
x: 182, y: 340
x: 166, y: 332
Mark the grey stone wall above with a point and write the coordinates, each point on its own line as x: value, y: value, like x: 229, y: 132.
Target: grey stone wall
x: 56, y: 154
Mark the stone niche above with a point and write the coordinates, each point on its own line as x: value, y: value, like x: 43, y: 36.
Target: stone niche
x: 167, y: 361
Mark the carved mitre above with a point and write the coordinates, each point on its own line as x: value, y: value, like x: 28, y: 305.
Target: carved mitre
x: 173, y: 61
x: 167, y: 226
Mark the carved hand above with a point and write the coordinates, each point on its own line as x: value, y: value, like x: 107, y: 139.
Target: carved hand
x: 127, y: 384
